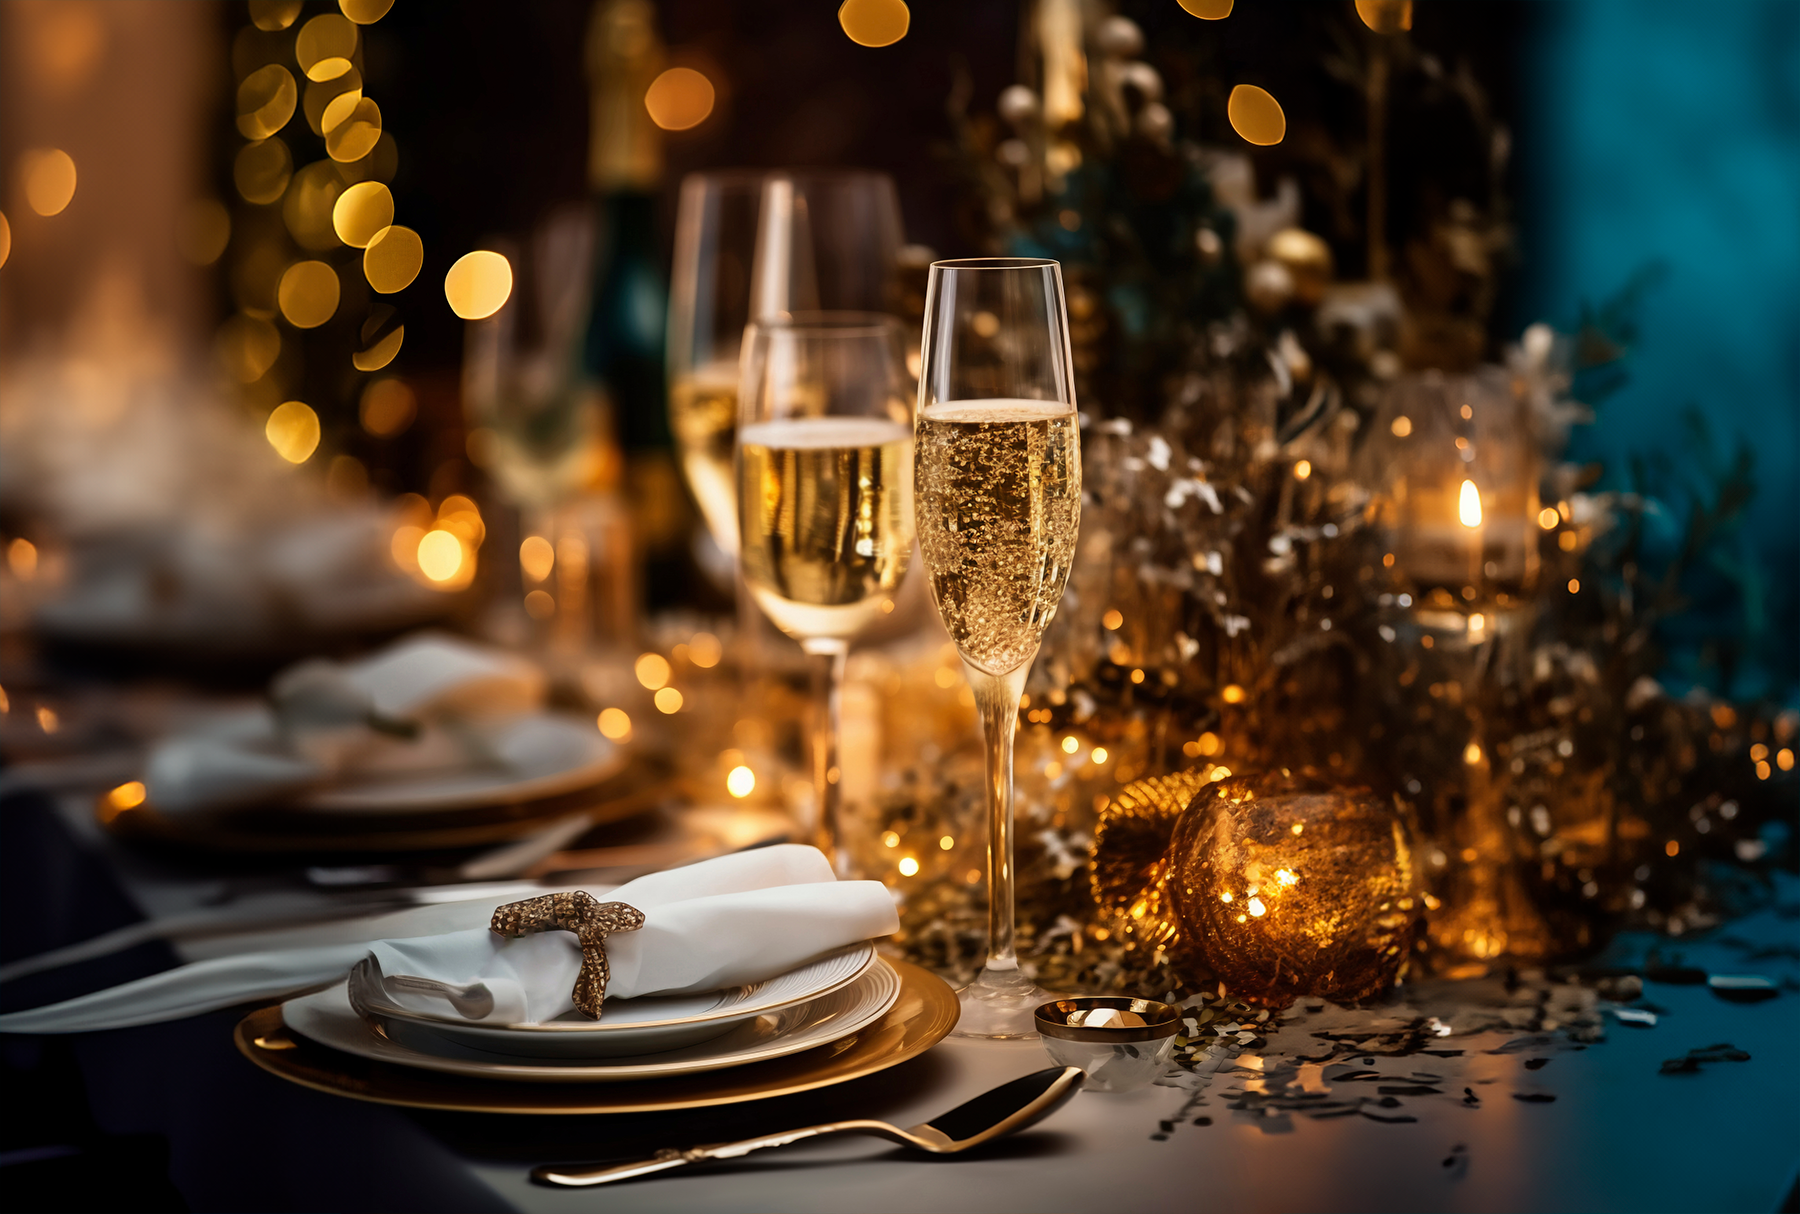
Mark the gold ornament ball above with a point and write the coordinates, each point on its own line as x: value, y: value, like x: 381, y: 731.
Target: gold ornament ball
x: 1286, y: 886
x: 1308, y: 261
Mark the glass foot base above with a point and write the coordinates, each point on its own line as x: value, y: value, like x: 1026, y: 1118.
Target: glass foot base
x: 999, y: 1004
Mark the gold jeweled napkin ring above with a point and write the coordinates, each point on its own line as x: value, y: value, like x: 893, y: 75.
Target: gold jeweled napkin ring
x: 591, y: 920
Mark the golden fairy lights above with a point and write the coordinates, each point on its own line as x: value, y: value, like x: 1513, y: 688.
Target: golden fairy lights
x: 308, y: 294
x: 362, y: 213
x: 293, y: 430
x: 49, y: 177
x: 5, y: 238
x: 1208, y: 10
x: 479, y: 284
x: 679, y: 99
x: 393, y: 259
x: 1255, y: 115
x: 874, y: 22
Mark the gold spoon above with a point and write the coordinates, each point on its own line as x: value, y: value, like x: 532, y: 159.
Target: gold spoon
x: 1006, y: 1109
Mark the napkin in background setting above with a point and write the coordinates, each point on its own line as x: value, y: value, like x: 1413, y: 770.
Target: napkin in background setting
x: 731, y: 920
x: 723, y: 923
x: 409, y: 708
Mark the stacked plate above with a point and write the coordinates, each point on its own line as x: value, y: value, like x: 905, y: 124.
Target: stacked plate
x: 824, y: 1001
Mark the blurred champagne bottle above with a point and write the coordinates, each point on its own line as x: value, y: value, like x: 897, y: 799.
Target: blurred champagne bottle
x: 624, y: 346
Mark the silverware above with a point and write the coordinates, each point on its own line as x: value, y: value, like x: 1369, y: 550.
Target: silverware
x: 1005, y: 1110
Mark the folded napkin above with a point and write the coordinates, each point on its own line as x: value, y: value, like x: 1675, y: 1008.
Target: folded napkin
x: 407, y: 709
x: 722, y: 922
x: 727, y: 922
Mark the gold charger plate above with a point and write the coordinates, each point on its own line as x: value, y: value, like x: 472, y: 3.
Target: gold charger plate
x: 922, y: 1016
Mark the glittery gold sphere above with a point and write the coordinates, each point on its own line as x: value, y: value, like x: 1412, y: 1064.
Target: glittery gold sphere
x: 1286, y: 886
x: 1277, y: 884
x: 1308, y: 260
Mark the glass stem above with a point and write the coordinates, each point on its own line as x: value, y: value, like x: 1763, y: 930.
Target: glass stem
x: 997, y: 703
x: 827, y: 660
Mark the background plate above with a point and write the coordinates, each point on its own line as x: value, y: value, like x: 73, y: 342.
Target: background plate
x: 923, y: 1015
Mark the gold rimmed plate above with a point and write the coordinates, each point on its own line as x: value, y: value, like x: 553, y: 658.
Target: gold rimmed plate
x: 922, y: 1014
x: 643, y: 783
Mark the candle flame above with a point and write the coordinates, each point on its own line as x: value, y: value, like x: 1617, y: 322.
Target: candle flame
x: 1468, y: 505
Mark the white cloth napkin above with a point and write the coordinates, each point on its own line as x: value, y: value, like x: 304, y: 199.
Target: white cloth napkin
x: 723, y: 923
x: 772, y: 908
x: 412, y: 707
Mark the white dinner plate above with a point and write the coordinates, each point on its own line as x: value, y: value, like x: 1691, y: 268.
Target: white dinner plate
x: 536, y: 756
x: 628, y: 1026
x: 327, y: 1018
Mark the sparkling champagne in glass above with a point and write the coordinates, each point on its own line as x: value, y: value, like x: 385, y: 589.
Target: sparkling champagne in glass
x: 998, y: 458
x: 825, y: 497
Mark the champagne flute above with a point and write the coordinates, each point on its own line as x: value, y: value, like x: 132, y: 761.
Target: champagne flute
x: 999, y: 500
x: 716, y: 232
x: 825, y: 510
x: 750, y: 245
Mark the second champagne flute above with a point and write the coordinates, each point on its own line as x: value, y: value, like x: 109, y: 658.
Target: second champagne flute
x: 999, y: 496
x: 825, y: 498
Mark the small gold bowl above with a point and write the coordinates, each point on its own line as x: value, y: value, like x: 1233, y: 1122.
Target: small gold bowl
x: 1121, y: 1043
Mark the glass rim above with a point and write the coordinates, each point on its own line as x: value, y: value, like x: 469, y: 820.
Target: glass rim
x: 996, y: 263
x: 827, y: 323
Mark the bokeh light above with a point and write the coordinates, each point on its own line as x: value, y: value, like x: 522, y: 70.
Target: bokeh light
x: 323, y: 95
x: 1256, y: 115
x: 652, y: 670
x: 249, y: 346
x: 325, y: 46
x: 381, y: 353
x: 355, y: 130
x: 387, y: 408
x: 204, y: 232
x: 49, y: 175
x: 128, y: 795
x: 908, y: 866
x: 740, y: 782
x: 308, y: 294
x: 1468, y: 505
x: 705, y: 650
x: 293, y: 430
x: 262, y: 170
x: 874, y: 22
x: 440, y: 555
x: 614, y: 723
x: 308, y: 205
x: 5, y: 238
x: 1208, y: 10
x: 365, y: 12
x: 667, y: 700
x: 479, y: 284
x: 393, y: 259
x: 274, y: 15
x: 266, y: 100
x: 361, y: 212
x: 679, y: 99
x: 536, y: 557
x: 1385, y: 16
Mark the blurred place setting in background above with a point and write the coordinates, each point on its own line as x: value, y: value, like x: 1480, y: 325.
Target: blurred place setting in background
x: 583, y: 578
